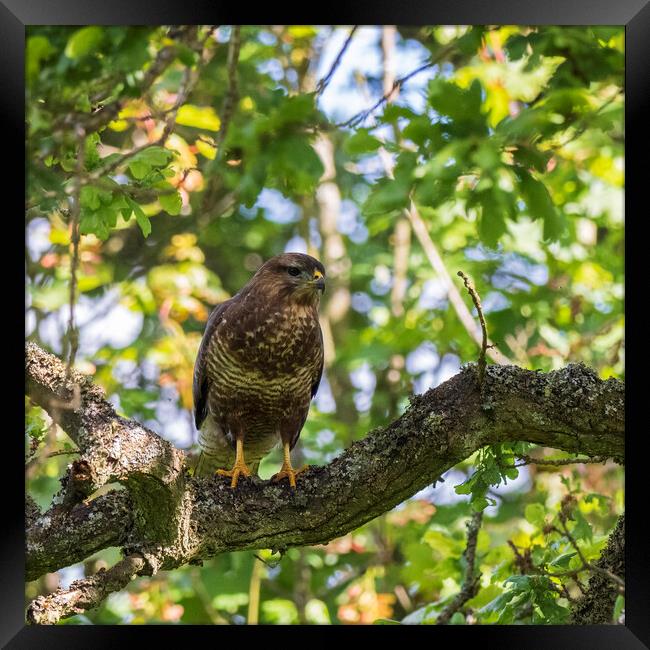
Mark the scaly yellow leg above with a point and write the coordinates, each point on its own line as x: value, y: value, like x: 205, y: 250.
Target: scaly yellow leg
x: 287, y: 470
x: 238, y: 468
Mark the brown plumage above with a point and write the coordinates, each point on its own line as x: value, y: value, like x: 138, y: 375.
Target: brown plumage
x: 258, y: 367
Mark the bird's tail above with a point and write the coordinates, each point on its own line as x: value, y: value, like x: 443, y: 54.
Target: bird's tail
x: 217, y: 452
x: 206, y: 465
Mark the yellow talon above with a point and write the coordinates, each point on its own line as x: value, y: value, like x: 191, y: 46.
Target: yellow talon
x: 239, y: 468
x: 287, y: 471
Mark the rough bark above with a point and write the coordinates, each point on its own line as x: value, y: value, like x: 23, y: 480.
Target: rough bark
x: 596, y: 607
x: 64, y: 536
x: 83, y: 594
x: 174, y: 520
x: 113, y: 449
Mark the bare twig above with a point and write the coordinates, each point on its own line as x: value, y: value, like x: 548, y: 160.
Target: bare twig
x: 84, y: 594
x: 227, y: 113
x: 63, y: 452
x: 529, y: 460
x: 397, y: 84
x: 402, y: 232
x: 472, y: 579
x: 469, y: 285
x: 75, y: 212
x: 322, y: 84
x: 228, y: 109
x: 432, y: 253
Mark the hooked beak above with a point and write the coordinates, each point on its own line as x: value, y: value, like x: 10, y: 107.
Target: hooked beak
x: 319, y: 281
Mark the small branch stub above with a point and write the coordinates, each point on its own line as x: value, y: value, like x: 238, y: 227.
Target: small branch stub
x: 469, y: 285
x: 167, y: 520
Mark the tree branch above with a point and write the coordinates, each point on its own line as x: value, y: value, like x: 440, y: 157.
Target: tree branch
x: 596, y: 607
x: 84, y: 594
x: 472, y: 579
x: 177, y: 521
x: 358, y: 118
x: 322, y: 84
x: 113, y: 449
x: 471, y: 289
x: 63, y: 536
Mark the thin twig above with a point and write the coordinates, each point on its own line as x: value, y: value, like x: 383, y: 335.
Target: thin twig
x: 469, y: 285
x: 227, y: 113
x: 397, y: 84
x: 593, y: 567
x: 432, y: 253
x: 75, y: 212
x: 529, y: 460
x: 228, y: 109
x: 472, y: 579
x: 63, y: 452
x: 402, y: 232
x: 322, y: 84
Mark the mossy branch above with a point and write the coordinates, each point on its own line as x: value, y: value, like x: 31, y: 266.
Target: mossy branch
x: 174, y: 520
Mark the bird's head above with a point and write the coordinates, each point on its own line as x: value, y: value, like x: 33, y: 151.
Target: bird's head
x: 299, y: 277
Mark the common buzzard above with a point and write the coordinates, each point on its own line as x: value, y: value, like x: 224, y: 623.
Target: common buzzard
x: 258, y: 367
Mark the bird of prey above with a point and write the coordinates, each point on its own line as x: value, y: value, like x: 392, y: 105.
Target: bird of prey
x: 259, y: 365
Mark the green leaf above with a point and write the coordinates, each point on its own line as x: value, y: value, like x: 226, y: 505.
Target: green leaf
x: 492, y: 223
x: 470, y: 42
x: 463, y: 106
x: 516, y: 46
x: 35, y: 426
x: 139, y: 169
x: 394, y: 111
x: 530, y: 156
x: 38, y: 49
x: 361, y: 142
x: 92, y: 159
x: 582, y: 529
x: 539, y: 203
x: 146, y: 160
x: 619, y: 606
x: 171, y: 202
x: 386, y: 196
x: 92, y: 223
x: 140, y: 217
x: 186, y: 55
x: 534, y: 513
x: 84, y: 41
x: 420, y: 129
x: 89, y: 197
x: 562, y: 561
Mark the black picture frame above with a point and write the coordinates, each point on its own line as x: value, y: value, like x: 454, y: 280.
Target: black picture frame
x: 634, y: 14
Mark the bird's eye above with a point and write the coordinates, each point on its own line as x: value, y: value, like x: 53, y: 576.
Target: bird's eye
x: 293, y: 270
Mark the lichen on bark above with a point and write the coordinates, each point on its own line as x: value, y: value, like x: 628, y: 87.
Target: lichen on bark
x: 167, y: 519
